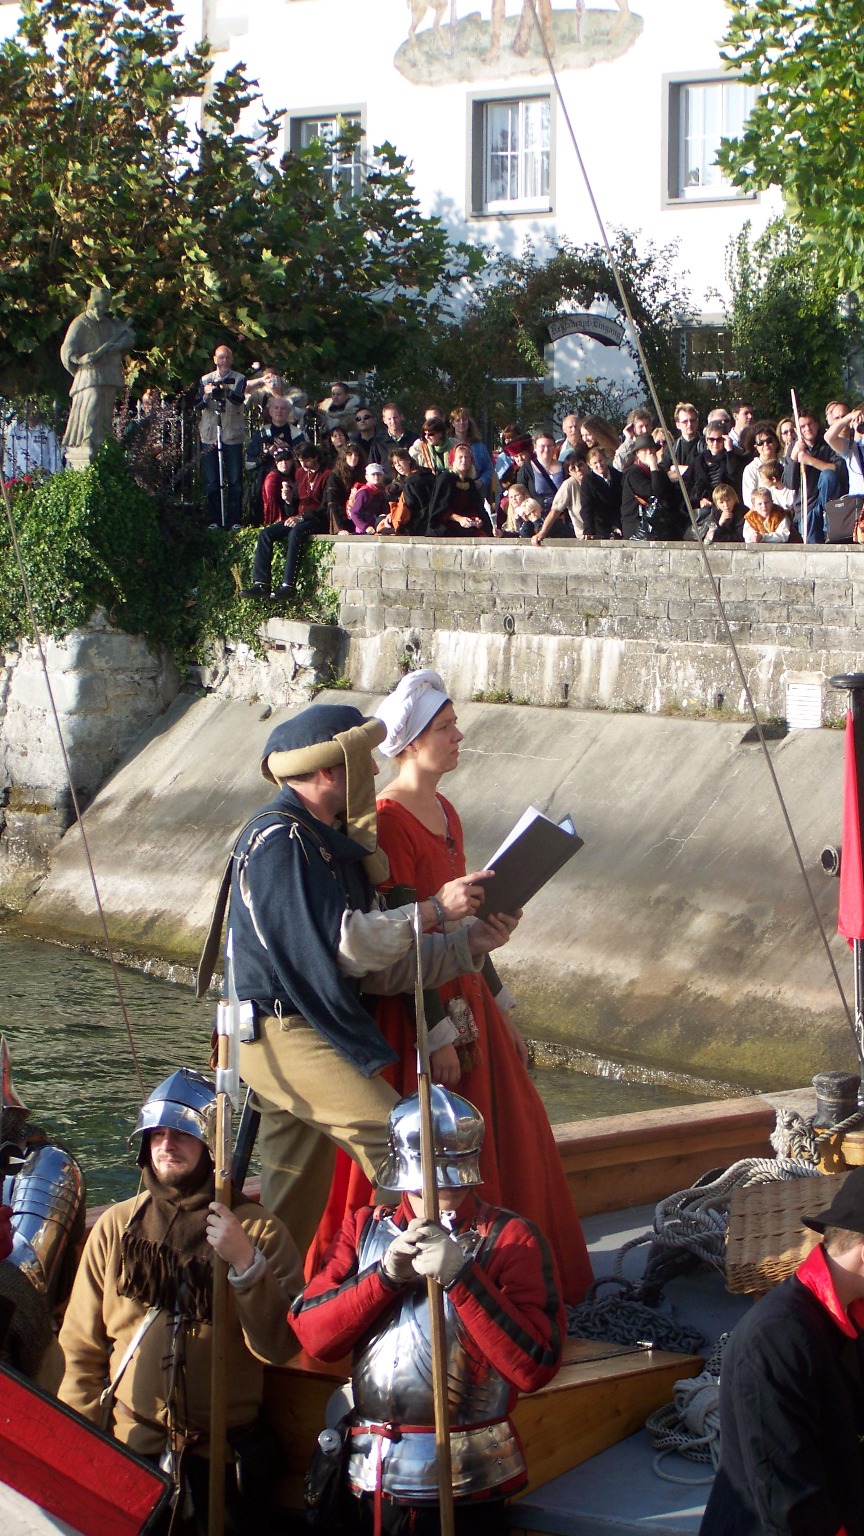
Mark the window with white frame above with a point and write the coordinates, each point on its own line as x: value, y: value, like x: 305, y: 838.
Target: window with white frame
x: 701, y: 113
x: 512, y: 155
x: 346, y: 165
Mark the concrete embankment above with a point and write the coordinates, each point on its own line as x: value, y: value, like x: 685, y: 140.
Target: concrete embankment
x: 681, y: 935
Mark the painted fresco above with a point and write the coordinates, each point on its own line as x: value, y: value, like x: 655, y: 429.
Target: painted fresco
x: 449, y: 43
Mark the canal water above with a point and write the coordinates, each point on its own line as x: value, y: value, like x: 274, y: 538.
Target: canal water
x: 73, y: 1067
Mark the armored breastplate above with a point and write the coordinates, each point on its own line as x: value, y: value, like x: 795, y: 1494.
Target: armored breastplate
x: 393, y: 1386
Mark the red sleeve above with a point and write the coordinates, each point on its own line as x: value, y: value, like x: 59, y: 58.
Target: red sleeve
x: 510, y: 1304
x: 341, y: 1302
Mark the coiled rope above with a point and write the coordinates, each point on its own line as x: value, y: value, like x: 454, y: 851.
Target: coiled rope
x: 690, y: 1424
x: 690, y: 1228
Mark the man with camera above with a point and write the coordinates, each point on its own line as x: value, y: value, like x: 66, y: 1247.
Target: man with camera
x: 221, y: 428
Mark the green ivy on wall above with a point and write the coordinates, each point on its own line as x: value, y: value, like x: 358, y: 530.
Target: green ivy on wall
x: 92, y: 538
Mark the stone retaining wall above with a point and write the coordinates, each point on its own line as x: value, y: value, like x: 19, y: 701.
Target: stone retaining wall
x: 107, y: 687
x: 604, y: 625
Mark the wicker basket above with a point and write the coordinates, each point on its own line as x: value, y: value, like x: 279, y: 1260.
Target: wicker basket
x: 765, y: 1240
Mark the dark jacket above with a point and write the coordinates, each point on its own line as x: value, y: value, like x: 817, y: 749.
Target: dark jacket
x: 712, y: 469
x: 286, y: 920
x: 601, y: 504
x: 445, y: 496
x: 417, y: 491
x: 791, y: 1417
x: 640, y: 485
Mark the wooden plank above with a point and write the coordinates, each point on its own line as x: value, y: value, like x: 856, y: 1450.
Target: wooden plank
x: 641, y: 1158
x: 561, y: 1429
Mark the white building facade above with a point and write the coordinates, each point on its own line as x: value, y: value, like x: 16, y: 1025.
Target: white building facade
x: 464, y: 90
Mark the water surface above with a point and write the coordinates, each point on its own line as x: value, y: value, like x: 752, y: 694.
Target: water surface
x: 73, y: 1064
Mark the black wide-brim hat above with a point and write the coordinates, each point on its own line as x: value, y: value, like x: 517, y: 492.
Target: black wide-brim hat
x: 846, y: 1209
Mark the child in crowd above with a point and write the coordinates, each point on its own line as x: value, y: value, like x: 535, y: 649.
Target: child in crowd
x: 524, y: 514
x: 567, y: 501
x: 766, y: 523
x: 367, y: 504
x: 771, y: 478
x: 725, y: 523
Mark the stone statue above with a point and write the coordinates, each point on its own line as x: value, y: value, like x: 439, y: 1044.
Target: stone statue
x: 92, y: 352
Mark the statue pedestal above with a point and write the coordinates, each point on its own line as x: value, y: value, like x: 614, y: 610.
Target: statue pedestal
x: 81, y: 457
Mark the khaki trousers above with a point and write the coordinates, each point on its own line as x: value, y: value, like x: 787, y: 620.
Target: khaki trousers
x: 311, y: 1101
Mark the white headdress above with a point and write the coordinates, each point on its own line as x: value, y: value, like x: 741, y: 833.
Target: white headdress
x: 409, y: 708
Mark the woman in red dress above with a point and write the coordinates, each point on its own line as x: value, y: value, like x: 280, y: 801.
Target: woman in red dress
x: 475, y: 1047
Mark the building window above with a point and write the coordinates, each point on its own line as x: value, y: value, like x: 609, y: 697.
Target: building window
x: 346, y: 164
x: 512, y: 156
x: 701, y: 113
x: 705, y: 351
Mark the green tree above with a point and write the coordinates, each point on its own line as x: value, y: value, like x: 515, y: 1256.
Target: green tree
x: 502, y: 330
x: 787, y: 328
x: 202, y: 229
x: 806, y: 131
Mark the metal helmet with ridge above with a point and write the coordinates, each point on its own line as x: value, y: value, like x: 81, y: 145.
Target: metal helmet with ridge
x: 185, y: 1101
x: 457, y: 1130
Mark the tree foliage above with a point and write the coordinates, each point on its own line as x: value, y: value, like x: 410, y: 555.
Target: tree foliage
x: 806, y: 131
x: 204, y: 231
x: 787, y: 329
x: 502, y: 331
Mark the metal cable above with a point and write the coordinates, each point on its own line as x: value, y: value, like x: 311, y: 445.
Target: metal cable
x: 703, y: 551
x: 7, y: 504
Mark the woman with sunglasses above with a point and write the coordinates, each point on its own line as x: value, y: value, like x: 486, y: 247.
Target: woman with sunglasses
x: 766, y: 442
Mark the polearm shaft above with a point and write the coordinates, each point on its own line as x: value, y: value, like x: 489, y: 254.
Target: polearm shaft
x: 219, y: 1360
x: 802, y: 468
x: 435, y: 1294
x: 227, y: 1096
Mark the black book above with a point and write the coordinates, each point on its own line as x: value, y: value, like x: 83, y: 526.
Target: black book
x: 530, y: 855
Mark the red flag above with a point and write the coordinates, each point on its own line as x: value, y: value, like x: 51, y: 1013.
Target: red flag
x: 850, y: 917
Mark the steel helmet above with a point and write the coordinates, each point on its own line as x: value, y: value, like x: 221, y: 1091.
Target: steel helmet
x: 457, y: 1129
x: 185, y: 1101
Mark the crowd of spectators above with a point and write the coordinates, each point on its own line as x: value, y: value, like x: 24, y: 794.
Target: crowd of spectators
x: 294, y: 468
x: 345, y: 468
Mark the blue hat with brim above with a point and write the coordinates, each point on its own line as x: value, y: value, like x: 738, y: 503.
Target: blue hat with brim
x: 330, y: 736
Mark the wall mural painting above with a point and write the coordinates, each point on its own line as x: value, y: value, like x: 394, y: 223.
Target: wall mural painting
x: 447, y: 44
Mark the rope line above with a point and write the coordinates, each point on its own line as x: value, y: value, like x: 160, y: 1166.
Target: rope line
x: 7, y: 504
x: 703, y: 551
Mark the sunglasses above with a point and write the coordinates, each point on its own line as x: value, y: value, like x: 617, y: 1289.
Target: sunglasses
x: 714, y: 438
x: 764, y: 442
x: 363, y: 416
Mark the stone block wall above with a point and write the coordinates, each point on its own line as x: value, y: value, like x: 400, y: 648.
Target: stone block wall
x: 604, y: 625
x: 107, y: 688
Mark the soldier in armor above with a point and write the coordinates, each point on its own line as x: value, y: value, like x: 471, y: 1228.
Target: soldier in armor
x: 137, y: 1334
x: 504, y: 1326
x: 42, y: 1199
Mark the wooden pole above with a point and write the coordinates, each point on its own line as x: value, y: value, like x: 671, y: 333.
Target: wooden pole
x: 221, y: 1298
x: 434, y: 1292
x: 802, y: 467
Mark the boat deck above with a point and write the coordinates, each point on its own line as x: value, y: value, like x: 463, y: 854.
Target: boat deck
x: 618, y: 1493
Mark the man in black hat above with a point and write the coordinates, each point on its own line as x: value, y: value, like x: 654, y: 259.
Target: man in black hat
x: 792, y: 1394
x: 309, y: 937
